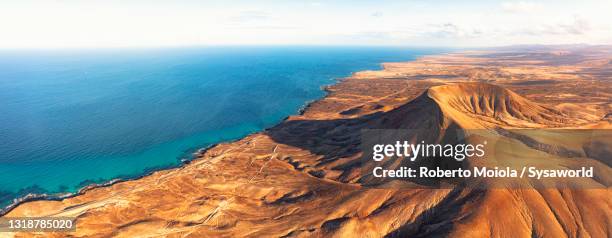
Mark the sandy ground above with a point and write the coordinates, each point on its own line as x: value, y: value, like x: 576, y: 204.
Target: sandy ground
x: 302, y: 177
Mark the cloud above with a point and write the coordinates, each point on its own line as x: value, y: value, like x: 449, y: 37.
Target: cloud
x: 393, y: 36
x: 372, y: 35
x: 578, y: 26
x: 451, y: 30
x: 520, y: 7
x: 417, y: 33
x: 250, y: 16
x: 268, y: 27
x: 283, y: 22
x: 377, y: 14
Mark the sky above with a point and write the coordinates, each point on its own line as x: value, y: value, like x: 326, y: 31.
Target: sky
x: 176, y: 23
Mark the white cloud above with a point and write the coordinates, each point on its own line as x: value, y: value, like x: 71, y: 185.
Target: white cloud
x: 61, y: 24
x: 250, y: 16
x: 452, y: 30
x: 377, y: 14
x: 576, y: 26
x: 579, y: 26
x: 520, y: 7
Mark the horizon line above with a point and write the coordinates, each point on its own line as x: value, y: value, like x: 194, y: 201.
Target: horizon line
x: 291, y: 45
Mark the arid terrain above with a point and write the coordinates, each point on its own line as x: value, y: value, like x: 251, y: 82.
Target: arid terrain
x: 303, y: 177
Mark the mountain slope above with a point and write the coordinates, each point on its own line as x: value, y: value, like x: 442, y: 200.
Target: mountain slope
x: 302, y: 177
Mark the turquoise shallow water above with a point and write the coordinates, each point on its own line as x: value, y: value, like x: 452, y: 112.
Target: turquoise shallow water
x: 69, y: 118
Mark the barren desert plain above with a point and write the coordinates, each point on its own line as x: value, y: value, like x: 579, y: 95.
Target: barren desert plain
x: 302, y: 177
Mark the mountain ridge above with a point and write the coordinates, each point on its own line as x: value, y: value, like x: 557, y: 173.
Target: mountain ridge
x: 302, y: 177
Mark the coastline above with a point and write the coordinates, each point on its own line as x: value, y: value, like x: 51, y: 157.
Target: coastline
x: 301, y: 177
x: 32, y: 197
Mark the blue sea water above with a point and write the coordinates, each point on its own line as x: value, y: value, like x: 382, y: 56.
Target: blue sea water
x: 69, y: 118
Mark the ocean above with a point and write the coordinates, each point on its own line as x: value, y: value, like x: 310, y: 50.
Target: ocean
x: 69, y: 118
